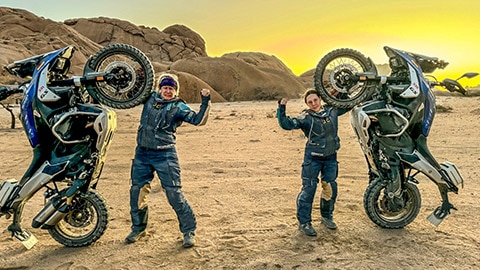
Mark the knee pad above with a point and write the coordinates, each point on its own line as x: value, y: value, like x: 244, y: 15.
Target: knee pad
x: 329, y: 190
x: 139, y: 195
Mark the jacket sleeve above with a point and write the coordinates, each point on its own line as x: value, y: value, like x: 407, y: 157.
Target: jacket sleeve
x: 342, y: 111
x: 336, y: 111
x: 285, y: 121
x: 194, y: 118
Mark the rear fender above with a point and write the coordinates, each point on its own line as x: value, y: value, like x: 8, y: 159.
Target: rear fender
x: 417, y: 161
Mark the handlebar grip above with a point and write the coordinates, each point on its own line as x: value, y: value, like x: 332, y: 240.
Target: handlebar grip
x: 453, y: 86
x: 5, y: 92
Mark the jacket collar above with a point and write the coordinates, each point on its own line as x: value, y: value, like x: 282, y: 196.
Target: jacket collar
x: 325, y: 112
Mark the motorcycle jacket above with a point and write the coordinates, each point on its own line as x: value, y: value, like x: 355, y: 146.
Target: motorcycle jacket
x: 160, y: 119
x: 319, y: 128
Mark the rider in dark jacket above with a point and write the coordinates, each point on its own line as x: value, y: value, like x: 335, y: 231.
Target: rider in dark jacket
x: 320, y: 126
x: 162, y: 113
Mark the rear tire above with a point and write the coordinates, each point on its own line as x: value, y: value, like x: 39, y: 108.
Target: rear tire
x: 377, y: 208
x: 335, y: 73
x: 134, y: 76
x: 85, y: 223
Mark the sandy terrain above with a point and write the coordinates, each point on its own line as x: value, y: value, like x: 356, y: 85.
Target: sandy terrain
x: 241, y: 174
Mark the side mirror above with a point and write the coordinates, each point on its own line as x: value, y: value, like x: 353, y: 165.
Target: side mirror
x: 468, y: 75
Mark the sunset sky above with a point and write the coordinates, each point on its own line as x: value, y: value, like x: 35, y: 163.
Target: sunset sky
x: 300, y: 32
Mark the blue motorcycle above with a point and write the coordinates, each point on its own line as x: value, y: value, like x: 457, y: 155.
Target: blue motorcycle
x: 70, y: 123
x: 392, y: 116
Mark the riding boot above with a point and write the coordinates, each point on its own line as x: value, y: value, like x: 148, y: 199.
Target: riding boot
x: 139, y: 224
x: 139, y: 207
x: 326, y: 208
x: 139, y: 219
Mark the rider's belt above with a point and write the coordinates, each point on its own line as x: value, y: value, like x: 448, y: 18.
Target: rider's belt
x: 168, y: 146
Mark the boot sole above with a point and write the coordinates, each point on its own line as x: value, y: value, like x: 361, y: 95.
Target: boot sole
x: 130, y: 240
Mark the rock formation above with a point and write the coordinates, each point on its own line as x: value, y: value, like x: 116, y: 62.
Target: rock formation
x: 236, y: 76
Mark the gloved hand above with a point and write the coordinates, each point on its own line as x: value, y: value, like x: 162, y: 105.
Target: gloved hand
x: 205, y: 92
x: 5, y: 92
x: 282, y: 101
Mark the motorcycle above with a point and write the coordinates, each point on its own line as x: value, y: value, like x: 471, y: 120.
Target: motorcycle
x: 391, y: 117
x: 70, y: 123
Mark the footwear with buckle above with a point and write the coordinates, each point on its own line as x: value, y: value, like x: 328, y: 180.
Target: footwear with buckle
x: 307, y: 229
x: 134, y: 236
x: 188, y: 239
x: 329, y: 223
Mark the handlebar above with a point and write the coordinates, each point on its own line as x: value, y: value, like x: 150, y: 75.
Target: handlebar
x: 449, y: 84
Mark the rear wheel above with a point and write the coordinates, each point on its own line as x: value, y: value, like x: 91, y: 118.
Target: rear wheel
x: 85, y: 222
x: 131, y: 76
x: 336, y: 78
x: 388, y: 212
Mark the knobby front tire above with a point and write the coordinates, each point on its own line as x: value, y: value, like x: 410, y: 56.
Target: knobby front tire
x: 335, y: 81
x: 133, y: 76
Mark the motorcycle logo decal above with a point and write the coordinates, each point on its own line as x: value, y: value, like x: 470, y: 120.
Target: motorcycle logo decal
x: 44, y: 94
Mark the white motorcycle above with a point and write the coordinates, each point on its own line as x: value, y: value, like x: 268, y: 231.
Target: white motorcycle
x: 391, y: 116
x: 70, y: 131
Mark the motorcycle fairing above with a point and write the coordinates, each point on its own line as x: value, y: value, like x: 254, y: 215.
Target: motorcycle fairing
x: 429, y: 112
x: 43, y: 93
x: 26, y: 115
x: 419, y: 162
x: 39, y: 79
x: 414, y: 89
x: 42, y: 176
x: 417, y: 81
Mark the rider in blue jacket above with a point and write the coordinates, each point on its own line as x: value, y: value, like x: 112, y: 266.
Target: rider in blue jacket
x: 320, y: 126
x: 162, y: 113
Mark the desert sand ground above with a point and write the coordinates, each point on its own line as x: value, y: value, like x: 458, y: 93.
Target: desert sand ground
x: 241, y: 174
